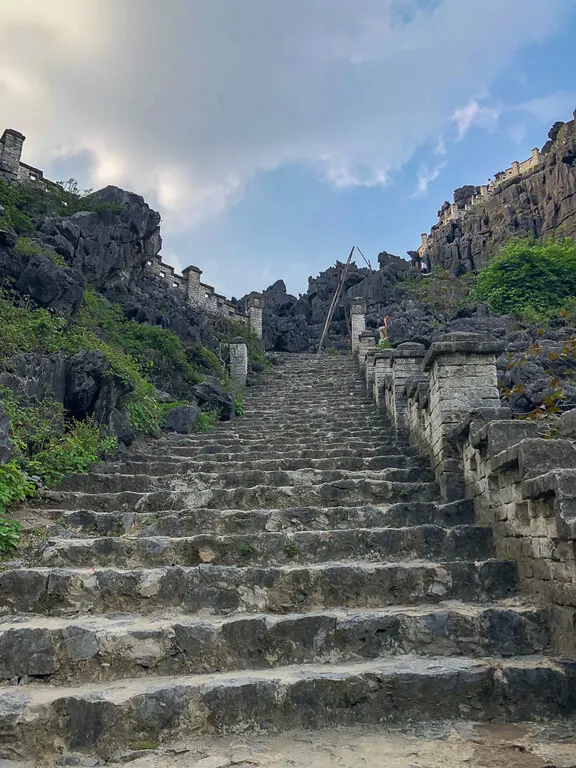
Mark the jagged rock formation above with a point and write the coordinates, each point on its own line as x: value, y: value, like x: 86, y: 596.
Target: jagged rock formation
x: 335, y: 590
x: 537, y: 203
x: 295, y: 325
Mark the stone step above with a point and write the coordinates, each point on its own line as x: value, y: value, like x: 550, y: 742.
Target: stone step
x: 258, y: 440
x: 98, y: 482
x: 47, y: 719
x: 104, y: 648
x: 221, y: 589
x: 298, y: 451
x: 163, y: 466
x: 349, y: 492
x: 323, y: 447
x: 192, y: 522
x: 279, y: 548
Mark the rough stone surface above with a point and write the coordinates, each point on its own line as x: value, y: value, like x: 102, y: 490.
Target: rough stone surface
x: 213, y: 398
x: 183, y: 419
x: 5, y: 444
x: 294, y: 568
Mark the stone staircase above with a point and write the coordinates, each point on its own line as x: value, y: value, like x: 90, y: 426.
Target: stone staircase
x: 291, y: 569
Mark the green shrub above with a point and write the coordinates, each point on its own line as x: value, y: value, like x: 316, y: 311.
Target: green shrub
x: 238, y: 406
x: 227, y: 329
x: 207, y: 420
x: 14, y: 487
x: 529, y: 278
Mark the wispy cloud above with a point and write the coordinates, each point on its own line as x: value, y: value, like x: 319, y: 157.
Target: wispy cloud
x: 426, y: 175
x: 555, y: 106
x: 475, y: 114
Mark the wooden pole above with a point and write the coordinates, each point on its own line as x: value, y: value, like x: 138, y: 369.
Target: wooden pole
x: 335, y: 302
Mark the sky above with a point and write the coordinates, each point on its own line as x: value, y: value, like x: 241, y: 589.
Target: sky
x: 273, y: 136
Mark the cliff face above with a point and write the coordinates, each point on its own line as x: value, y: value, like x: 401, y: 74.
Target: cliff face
x: 538, y: 203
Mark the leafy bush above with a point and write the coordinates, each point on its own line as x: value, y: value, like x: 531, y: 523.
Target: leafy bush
x: 207, y: 420
x: 24, y: 203
x: 529, y: 278
x: 238, y: 406
x: 227, y: 329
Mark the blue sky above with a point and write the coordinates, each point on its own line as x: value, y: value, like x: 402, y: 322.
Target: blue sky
x: 273, y: 137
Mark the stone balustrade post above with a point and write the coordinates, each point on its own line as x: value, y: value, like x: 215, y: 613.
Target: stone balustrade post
x: 382, y: 368
x: 238, y: 362
x: 462, y: 369
x: 406, y: 361
x: 254, y: 311
x: 357, y: 322
x: 369, y: 370
x: 366, y: 343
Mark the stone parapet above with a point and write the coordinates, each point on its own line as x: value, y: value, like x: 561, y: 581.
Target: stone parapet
x: 522, y: 486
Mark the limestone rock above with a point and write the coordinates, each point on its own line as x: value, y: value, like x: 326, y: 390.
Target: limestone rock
x: 183, y: 419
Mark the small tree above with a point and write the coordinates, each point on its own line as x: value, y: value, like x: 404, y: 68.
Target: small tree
x: 529, y: 277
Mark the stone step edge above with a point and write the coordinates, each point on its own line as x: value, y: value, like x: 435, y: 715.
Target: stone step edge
x: 125, y: 622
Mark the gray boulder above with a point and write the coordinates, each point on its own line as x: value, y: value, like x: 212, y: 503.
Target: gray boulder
x: 5, y: 444
x: 214, y: 398
x: 183, y: 419
x: 50, y: 285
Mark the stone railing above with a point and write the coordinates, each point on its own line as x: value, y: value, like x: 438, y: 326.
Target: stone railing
x: 521, y: 485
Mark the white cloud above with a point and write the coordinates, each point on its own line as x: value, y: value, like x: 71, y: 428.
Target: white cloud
x: 426, y: 175
x: 186, y: 101
x: 474, y: 114
x: 555, y: 106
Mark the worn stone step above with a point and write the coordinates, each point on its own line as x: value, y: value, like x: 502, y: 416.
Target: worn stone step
x: 98, y: 482
x: 222, y: 589
x: 191, y: 522
x: 305, y: 432
x: 44, y: 719
x: 166, y: 466
x: 276, y: 444
x: 348, y: 492
x: 89, y: 649
x: 303, y: 451
x: 278, y: 548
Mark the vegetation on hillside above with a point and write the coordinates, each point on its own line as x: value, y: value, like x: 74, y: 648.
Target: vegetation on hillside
x: 24, y: 203
x: 535, y: 280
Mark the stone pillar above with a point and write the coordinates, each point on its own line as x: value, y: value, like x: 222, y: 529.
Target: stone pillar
x: 515, y: 168
x: 535, y: 156
x: 238, y: 362
x: 406, y: 361
x: 11, y: 151
x: 254, y: 311
x: 462, y: 368
x: 369, y: 370
x: 357, y: 322
x: 454, y: 211
x: 366, y: 342
x: 382, y: 370
x: 193, y: 290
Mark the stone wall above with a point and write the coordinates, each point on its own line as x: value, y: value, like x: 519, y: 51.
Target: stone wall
x: 203, y: 296
x: 11, y: 167
x: 522, y: 485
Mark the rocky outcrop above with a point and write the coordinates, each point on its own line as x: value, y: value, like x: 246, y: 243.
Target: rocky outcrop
x: 110, y: 245
x: 537, y: 203
x: 5, y: 444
